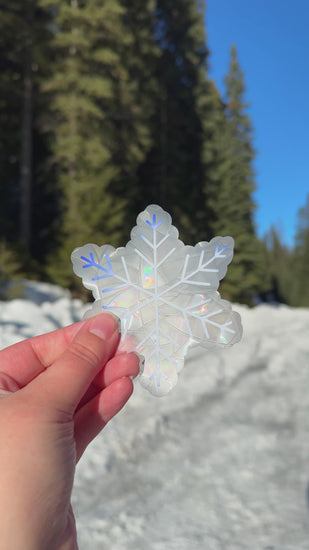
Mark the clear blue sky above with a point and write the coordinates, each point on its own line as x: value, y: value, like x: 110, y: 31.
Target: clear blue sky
x: 272, y: 39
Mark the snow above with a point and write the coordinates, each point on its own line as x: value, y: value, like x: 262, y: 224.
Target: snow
x: 221, y: 463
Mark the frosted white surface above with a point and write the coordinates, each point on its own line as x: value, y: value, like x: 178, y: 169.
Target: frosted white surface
x: 222, y: 464
x: 164, y: 292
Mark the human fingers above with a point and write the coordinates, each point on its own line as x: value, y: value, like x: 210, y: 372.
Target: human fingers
x: 123, y: 364
x: 64, y: 383
x: 92, y: 418
x: 22, y: 362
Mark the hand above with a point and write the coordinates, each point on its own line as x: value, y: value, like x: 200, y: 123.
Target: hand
x: 58, y: 392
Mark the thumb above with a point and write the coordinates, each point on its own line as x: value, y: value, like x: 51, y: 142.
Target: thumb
x: 63, y: 384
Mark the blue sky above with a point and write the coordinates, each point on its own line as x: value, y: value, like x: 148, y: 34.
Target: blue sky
x: 272, y: 39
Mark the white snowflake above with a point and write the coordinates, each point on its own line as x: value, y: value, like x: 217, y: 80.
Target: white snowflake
x: 164, y: 293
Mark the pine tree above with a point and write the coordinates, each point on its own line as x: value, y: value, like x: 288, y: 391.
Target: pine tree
x: 82, y: 89
x: 216, y: 158
x: 234, y: 205
x: 300, y: 259
x: 279, y: 272
x: 173, y: 172
x: 133, y: 131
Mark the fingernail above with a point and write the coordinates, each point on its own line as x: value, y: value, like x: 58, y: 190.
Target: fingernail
x: 104, y: 325
x: 141, y: 362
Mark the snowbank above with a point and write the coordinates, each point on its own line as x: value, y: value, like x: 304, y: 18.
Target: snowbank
x: 220, y: 463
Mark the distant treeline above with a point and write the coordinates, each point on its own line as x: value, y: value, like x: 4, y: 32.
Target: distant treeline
x: 106, y: 107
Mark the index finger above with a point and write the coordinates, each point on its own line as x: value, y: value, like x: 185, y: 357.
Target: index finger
x: 24, y: 361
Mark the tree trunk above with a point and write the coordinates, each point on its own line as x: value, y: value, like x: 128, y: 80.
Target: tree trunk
x: 163, y: 194
x: 72, y: 204
x: 26, y: 137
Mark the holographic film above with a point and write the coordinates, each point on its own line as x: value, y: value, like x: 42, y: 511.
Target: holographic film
x: 164, y: 292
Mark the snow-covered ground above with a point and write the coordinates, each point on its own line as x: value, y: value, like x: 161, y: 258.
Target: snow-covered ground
x: 222, y: 463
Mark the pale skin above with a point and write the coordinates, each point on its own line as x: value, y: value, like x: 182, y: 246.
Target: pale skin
x: 57, y: 393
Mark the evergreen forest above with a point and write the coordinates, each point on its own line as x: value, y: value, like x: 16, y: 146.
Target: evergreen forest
x: 106, y: 107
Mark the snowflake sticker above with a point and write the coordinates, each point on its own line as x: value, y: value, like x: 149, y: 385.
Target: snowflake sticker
x: 164, y: 292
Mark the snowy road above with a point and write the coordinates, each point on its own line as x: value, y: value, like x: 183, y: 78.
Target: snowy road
x: 222, y: 463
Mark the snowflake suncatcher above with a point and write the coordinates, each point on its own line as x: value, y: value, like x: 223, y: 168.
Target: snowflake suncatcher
x: 164, y: 292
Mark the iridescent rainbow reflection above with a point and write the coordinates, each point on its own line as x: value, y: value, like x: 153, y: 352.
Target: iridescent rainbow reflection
x: 148, y: 281
x: 202, y: 309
